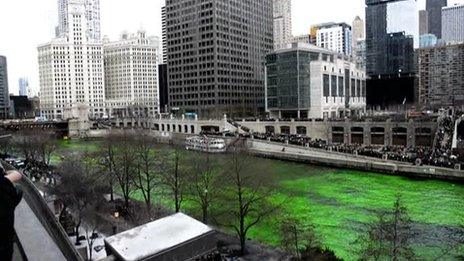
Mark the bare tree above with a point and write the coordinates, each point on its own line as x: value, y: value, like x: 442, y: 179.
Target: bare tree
x: 76, y: 189
x: 389, y: 237
x: 47, y: 145
x: 108, y: 161
x: 247, y: 195
x: 149, y: 166
x: 204, y: 179
x: 295, y: 237
x: 174, y: 177
x: 91, y: 225
x: 125, y: 167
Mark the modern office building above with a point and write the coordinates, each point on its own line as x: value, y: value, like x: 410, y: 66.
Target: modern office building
x: 23, y: 84
x: 359, y: 30
x: 71, y: 70
x: 336, y: 37
x: 282, y: 23
x: 92, y: 15
x: 441, y: 76
x: 163, y: 88
x: 4, y: 91
x: 306, y: 81
x: 131, y: 75
x: 392, y: 34
x: 427, y: 40
x: 215, y: 53
x: 360, y: 54
x: 453, y: 24
x: 304, y: 38
x: 163, y: 34
x: 434, y: 14
x: 423, y: 22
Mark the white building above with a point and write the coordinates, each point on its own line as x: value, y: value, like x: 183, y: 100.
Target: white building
x: 282, y: 23
x: 23, y: 84
x: 453, y: 24
x: 306, y: 81
x: 336, y: 37
x: 131, y: 75
x: 92, y: 14
x: 71, y: 70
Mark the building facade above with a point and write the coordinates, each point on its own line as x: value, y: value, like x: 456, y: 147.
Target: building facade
x: 360, y: 54
x: 427, y: 40
x: 282, y: 23
x: 423, y: 22
x: 215, y: 53
x: 392, y: 34
x: 163, y: 88
x: 131, y: 75
x: 434, y: 16
x: 306, y: 81
x: 23, y: 84
x: 71, y: 70
x: 441, y: 76
x: 4, y: 91
x: 304, y: 38
x: 359, y: 30
x: 336, y: 37
x: 163, y: 34
x: 453, y: 24
x: 92, y: 15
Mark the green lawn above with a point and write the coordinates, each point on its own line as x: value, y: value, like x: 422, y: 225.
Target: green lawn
x: 339, y: 202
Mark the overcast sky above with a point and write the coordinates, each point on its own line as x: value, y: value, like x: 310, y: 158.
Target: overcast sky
x: 24, y: 24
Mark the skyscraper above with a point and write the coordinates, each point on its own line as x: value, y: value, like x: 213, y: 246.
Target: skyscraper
x: 282, y: 23
x: 336, y: 37
x: 23, y: 84
x: 4, y: 95
x: 216, y: 51
x: 423, y: 22
x: 453, y: 24
x: 358, y: 29
x: 92, y: 14
x: 131, y: 75
x: 433, y: 8
x: 71, y: 70
x: 392, y: 33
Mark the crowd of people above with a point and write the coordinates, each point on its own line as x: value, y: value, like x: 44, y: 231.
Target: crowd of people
x: 418, y: 155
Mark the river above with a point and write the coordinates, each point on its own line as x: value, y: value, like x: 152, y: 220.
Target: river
x: 340, y: 202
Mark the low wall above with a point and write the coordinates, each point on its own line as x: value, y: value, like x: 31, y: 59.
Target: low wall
x: 341, y: 160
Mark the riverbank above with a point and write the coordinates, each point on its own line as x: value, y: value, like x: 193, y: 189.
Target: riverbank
x: 273, y: 150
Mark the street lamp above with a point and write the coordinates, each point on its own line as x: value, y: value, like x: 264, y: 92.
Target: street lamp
x: 116, y: 216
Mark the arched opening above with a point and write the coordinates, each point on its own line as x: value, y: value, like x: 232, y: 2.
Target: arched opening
x: 400, y: 136
x: 210, y: 129
x: 270, y: 129
x: 186, y: 129
x: 338, y: 134
x: 357, y: 135
x: 285, y: 130
x: 301, y: 130
x: 179, y: 128
x: 192, y: 129
x: 424, y: 137
x: 162, y: 127
x: 378, y: 136
x: 169, y: 128
x: 157, y: 127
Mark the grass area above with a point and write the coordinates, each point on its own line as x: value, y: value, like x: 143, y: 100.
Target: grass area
x: 339, y: 202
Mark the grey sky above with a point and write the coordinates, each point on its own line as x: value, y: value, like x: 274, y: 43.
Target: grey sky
x: 27, y: 23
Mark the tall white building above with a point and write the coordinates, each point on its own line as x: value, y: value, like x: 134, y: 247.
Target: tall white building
x: 23, y: 84
x: 282, y: 24
x: 131, y: 75
x: 453, y: 24
x: 92, y: 14
x: 71, y: 69
x: 336, y: 37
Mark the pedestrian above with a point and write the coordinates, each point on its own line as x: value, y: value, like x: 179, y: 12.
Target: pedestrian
x: 10, y: 196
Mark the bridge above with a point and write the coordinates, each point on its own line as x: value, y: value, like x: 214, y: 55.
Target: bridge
x: 12, y: 126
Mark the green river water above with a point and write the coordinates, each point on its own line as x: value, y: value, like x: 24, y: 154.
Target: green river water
x: 340, y: 202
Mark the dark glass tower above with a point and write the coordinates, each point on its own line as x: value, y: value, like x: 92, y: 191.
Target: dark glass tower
x: 433, y: 8
x: 4, y: 94
x: 215, y: 54
x: 392, y: 33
